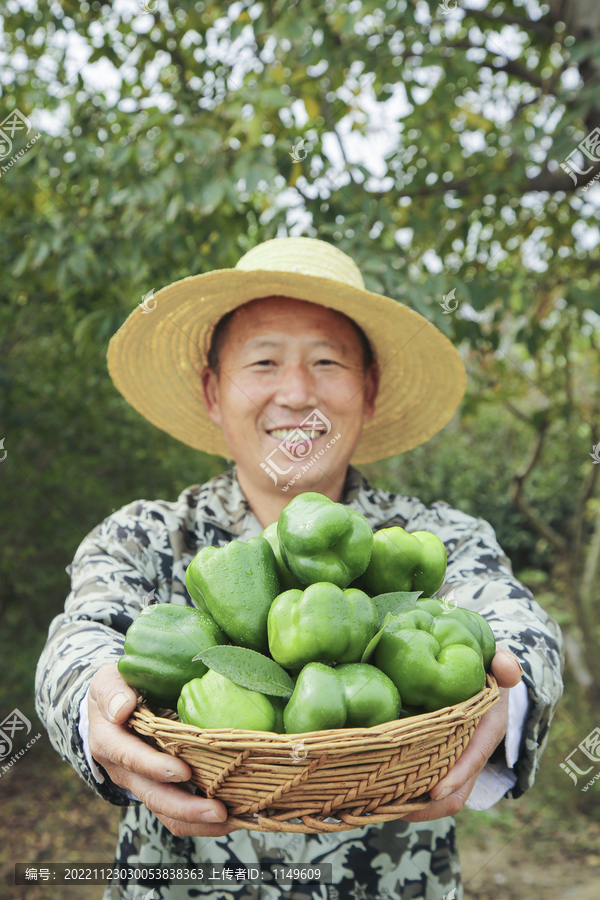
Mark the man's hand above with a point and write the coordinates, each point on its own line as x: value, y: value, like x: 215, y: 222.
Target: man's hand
x: 449, y: 794
x: 149, y: 774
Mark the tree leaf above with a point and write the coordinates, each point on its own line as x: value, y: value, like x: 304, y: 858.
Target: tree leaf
x: 173, y: 209
x: 249, y: 669
x: 395, y: 602
x: 313, y: 107
x: 212, y: 194
x: 370, y: 648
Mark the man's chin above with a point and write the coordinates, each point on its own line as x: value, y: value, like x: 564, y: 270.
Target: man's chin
x: 306, y: 476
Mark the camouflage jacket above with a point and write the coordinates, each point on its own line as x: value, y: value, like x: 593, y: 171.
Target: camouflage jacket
x: 147, y: 545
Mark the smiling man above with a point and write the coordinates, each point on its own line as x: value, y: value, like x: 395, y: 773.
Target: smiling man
x: 287, y: 365
x: 274, y: 362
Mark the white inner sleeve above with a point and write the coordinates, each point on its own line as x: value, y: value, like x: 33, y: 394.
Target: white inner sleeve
x: 497, y: 778
x: 84, y: 733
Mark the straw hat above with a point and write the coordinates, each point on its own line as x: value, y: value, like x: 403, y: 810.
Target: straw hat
x: 156, y: 357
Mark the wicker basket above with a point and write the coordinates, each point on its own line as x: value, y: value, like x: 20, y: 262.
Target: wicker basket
x: 357, y: 776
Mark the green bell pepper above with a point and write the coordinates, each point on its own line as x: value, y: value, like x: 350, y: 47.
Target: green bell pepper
x: 287, y: 581
x: 476, y: 624
x: 321, y: 624
x: 194, y: 592
x: 323, y: 541
x: 214, y: 701
x: 403, y: 561
x: 237, y: 583
x: 318, y: 701
x: 371, y: 697
x: 434, y: 661
x: 357, y: 696
x: 159, y: 648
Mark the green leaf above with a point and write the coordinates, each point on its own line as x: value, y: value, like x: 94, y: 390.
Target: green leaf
x: 212, y: 139
x: 370, y: 648
x: 250, y: 669
x: 22, y: 262
x: 173, y: 209
x: 257, y: 173
x: 395, y: 602
x: 212, y: 195
x: 42, y: 252
x: 273, y: 97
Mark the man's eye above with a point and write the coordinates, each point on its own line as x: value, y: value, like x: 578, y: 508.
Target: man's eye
x: 326, y: 362
x: 265, y: 362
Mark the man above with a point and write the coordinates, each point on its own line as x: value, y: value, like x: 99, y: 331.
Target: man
x: 289, y: 367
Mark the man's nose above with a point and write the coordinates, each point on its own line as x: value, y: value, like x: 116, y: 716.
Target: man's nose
x: 296, y: 388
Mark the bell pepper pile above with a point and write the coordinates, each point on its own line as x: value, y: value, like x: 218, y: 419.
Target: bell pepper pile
x: 331, y: 614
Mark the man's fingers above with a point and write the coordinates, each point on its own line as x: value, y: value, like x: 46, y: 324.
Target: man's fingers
x: 181, y: 829
x: 506, y: 668
x: 177, y: 804
x: 114, y: 745
x: 488, y: 734
x: 113, y: 696
x: 438, y: 809
x: 138, y: 767
x: 486, y: 738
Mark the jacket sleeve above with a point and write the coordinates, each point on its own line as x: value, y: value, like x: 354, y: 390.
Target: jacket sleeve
x: 482, y: 577
x: 115, y: 566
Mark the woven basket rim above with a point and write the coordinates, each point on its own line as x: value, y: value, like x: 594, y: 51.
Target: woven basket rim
x: 234, y: 738
x: 346, y: 778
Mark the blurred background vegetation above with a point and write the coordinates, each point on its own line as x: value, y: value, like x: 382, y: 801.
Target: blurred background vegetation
x: 425, y: 143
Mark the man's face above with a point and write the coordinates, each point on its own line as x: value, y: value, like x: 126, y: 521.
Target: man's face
x: 281, y: 360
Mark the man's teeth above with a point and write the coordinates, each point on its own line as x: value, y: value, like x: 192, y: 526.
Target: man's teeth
x: 283, y: 434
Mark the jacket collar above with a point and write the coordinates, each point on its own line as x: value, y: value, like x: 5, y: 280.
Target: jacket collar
x: 222, y: 502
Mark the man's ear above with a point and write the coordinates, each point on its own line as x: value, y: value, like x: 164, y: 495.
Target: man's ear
x: 210, y: 386
x: 371, y: 391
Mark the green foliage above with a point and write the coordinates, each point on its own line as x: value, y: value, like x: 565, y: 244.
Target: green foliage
x: 470, y: 465
x: 132, y: 193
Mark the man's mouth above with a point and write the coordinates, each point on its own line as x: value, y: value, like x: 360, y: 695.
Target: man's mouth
x: 299, y: 434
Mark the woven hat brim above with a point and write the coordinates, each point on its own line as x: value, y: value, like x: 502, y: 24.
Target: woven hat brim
x: 155, y: 359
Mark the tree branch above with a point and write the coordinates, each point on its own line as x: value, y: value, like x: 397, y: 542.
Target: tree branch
x: 579, y: 513
x: 329, y: 120
x: 526, y: 24
x: 516, y: 412
x: 520, y: 71
x: 525, y: 103
x: 592, y: 567
x: 174, y: 54
x: 510, y: 65
x: 304, y: 196
x: 180, y: 63
x: 533, y: 521
x: 559, y: 181
x: 545, y: 181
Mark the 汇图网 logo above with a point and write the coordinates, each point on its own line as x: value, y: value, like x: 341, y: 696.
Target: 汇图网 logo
x: 297, y: 445
x: 589, y: 147
x: 298, y: 153
x: 13, y: 723
x: 15, y: 122
x: 590, y: 747
x: 299, y: 752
